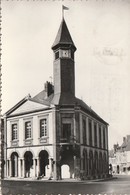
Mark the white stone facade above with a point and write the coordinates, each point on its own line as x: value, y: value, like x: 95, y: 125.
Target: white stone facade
x: 91, y: 152
x: 54, y: 129
x: 19, y: 147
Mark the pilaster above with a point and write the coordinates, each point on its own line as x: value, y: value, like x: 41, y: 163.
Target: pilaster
x: 19, y: 167
x: 10, y: 168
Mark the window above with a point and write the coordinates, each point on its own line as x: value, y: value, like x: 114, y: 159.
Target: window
x: 100, y: 138
x: 90, y: 133
x: 95, y: 134
x: 84, y: 131
x: 57, y: 55
x: 43, y: 127
x: 28, y: 130
x: 104, y: 143
x: 66, y: 133
x: 14, y: 131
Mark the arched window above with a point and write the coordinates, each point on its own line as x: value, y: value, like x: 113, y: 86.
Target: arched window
x: 96, y: 162
x: 44, y: 161
x: 91, y: 162
x: 100, y: 163
x: 28, y: 157
x: 85, y: 162
x: 84, y: 155
x: 14, y: 164
x: 104, y: 163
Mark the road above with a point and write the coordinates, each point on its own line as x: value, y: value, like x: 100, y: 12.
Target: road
x: 119, y: 186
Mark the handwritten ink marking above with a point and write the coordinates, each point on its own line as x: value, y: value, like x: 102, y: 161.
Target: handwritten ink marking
x: 109, y: 51
x: 109, y: 55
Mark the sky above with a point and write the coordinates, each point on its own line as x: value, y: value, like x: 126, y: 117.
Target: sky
x: 100, y: 31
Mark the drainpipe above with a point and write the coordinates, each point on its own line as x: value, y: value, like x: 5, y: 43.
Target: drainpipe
x: 0, y: 114
x: 54, y: 143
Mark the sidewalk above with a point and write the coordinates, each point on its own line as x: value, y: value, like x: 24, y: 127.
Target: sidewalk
x: 66, y: 180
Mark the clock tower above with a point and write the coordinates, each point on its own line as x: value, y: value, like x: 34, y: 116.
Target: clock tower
x: 64, y: 66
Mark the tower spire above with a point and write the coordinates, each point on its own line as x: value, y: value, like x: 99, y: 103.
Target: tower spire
x: 63, y: 37
x: 64, y: 66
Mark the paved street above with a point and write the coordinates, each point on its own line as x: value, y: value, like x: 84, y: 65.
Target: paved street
x: 118, y: 186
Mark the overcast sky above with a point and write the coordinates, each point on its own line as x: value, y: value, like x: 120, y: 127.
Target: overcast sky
x: 100, y: 31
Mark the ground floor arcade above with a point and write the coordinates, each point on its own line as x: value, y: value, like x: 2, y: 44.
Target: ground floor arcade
x: 94, y: 164
x: 87, y: 164
x: 29, y: 166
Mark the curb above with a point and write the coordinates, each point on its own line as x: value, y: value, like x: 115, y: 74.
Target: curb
x: 106, y: 179
x: 61, y: 181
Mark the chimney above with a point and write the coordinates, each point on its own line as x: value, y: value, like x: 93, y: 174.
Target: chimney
x: 115, y: 147
x: 49, y: 89
x: 124, y: 139
x: 128, y: 138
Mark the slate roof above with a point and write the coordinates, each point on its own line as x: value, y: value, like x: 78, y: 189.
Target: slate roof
x: 62, y: 100
x: 69, y: 100
x: 63, y: 36
x: 90, y: 111
x: 41, y: 98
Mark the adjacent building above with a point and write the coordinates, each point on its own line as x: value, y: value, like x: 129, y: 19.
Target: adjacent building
x: 119, y: 157
x: 55, y: 134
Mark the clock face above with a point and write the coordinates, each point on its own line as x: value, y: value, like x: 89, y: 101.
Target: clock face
x: 65, y: 53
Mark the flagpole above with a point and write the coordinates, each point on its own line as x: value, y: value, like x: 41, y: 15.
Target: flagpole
x: 62, y: 12
x: 64, y: 8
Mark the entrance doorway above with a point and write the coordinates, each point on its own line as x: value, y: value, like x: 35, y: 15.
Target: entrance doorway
x: 44, y: 162
x: 67, y: 163
x: 14, y: 162
x: 28, y: 157
x: 65, y: 171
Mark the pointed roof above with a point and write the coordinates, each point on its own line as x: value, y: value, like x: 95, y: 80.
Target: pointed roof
x: 63, y: 36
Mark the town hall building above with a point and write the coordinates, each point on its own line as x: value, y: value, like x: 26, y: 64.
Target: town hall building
x: 55, y: 135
